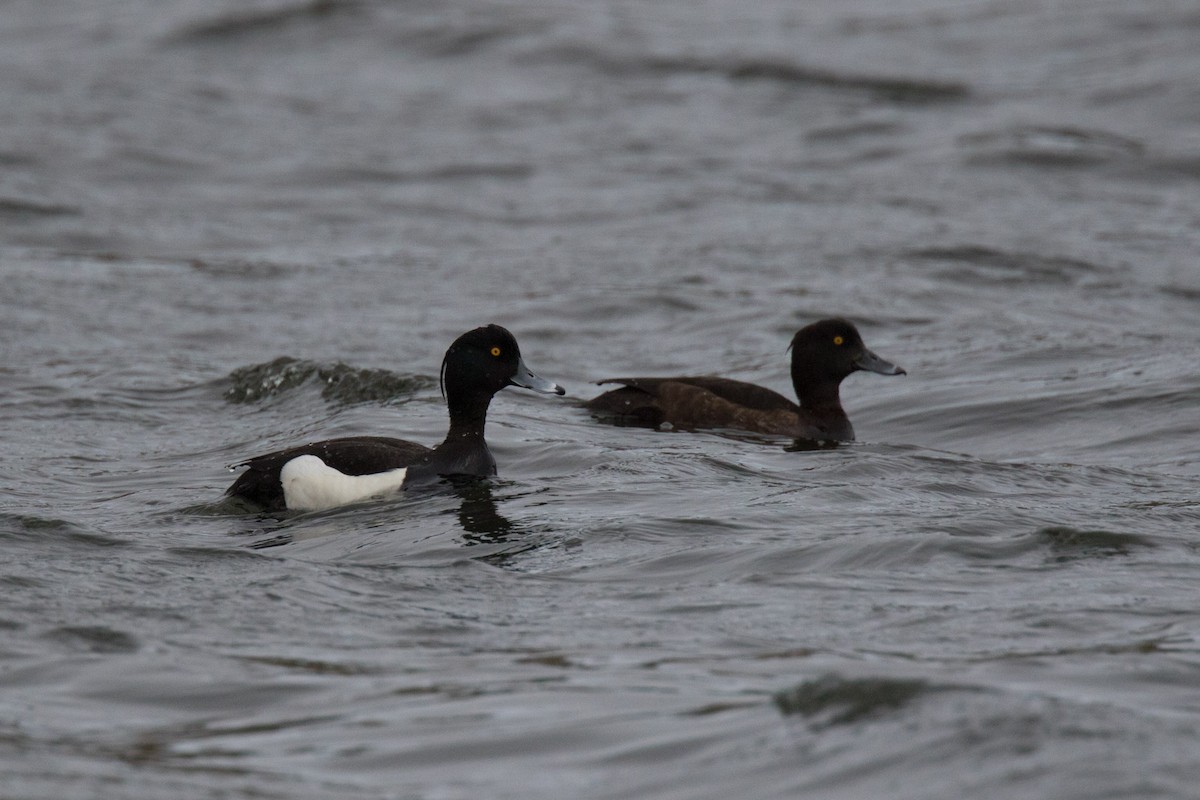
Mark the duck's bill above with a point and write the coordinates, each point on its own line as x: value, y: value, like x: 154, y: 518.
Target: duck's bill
x: 873, y: 363
x: 527, y: 380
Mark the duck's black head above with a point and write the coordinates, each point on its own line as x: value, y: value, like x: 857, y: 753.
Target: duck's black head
x: 825, y: 352
x: 483, y: 361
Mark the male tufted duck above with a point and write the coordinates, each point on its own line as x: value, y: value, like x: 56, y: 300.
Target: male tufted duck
x: 334, y: 472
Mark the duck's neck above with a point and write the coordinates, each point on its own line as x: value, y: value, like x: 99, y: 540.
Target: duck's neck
x: 468, y: 415
x: 821, y: 411
x: 463, y: 435
x: 464, y: 450
x: 818, y: 396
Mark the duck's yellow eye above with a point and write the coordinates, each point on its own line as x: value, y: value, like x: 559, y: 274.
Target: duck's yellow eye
x: 496, y: 351
x: 838, y: 340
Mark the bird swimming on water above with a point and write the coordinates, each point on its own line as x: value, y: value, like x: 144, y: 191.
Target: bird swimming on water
x: 335, y: 472
x: 823, y: 354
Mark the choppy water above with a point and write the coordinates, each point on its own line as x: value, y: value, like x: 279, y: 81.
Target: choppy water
x: 228, y: 227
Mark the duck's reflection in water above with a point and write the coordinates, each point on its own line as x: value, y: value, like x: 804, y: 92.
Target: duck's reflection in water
x: 481, y: 520
x: 808, y: 445
x: 477, y: 513
x: 500, y: 539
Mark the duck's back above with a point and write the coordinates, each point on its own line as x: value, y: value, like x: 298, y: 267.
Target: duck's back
x: 691, y: 401
x: 353, y: 455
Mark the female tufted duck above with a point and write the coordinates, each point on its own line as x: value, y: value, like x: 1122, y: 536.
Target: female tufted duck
x: 334, y: 472
x: 823, y: 353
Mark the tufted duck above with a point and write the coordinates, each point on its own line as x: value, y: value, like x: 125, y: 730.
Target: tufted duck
x: 823, y: 353
x: 334, y: 472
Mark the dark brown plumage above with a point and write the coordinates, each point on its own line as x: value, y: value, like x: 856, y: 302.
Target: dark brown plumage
x: 823, y: 354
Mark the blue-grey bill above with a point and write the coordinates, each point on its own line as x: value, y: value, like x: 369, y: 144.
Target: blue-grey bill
x: 873, y: 363
x: 527, y: 380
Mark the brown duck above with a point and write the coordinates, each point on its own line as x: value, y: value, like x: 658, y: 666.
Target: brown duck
x: 823, y: 354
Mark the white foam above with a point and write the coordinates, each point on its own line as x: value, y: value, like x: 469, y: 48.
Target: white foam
x: 309, y: 484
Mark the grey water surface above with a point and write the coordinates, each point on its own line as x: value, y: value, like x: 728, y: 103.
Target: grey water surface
x: 227, y: 227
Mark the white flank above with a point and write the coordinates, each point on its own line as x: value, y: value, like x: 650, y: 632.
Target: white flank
x: 309, y: 484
